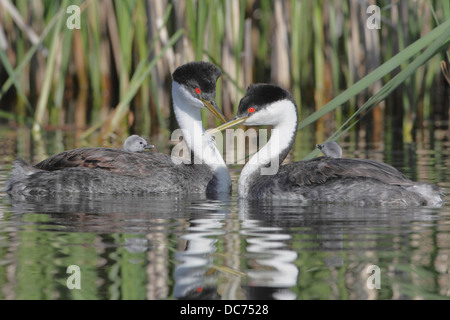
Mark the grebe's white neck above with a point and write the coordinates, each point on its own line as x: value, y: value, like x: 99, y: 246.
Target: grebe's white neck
x: 282, y: 115
x: 188, y: 113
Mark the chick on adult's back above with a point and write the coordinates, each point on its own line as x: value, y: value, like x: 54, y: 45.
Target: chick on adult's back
x: 108, y: 170
x: 135, y: 143
x: 322, y: 179
x: 330, y: 149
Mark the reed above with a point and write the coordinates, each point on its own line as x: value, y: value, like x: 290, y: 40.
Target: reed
x: 441, y: 38
x: 117, y: 66
x: 42, y: 102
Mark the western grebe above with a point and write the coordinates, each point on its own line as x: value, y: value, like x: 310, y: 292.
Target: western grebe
x: 330, y: 149
x: 322, y: 179
x: 112, y: 171
x: 135, y: 143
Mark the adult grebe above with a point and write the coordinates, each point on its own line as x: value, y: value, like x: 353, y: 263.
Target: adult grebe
x: 111, y: 171
x: 330, y: 149
x: 358, y: 181
x: 135, y: 143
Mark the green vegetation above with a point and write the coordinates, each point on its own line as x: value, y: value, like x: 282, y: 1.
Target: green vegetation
x: 111, y: 76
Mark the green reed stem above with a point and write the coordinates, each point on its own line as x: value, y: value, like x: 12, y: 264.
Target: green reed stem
x: 48, y: 76
x: 441, y: 41
x: 378, y: 73
x: 29, y: 55
x: 137, y: 80
x: 9, y: 69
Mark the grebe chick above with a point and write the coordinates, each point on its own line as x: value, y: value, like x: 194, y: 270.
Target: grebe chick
x: 330, y: 149
x: 135, y: 143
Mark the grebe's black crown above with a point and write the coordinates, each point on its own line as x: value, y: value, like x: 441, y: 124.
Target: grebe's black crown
x: 260, y: 95
x: 198, y: 74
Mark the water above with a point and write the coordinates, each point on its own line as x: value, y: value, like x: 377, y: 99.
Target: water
x: 166, y: 247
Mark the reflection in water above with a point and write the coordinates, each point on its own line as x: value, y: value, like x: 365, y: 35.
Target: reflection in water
x: 274, y: 271
x: 271, y: 270
x: 172, y: 246
x: 191, y: 278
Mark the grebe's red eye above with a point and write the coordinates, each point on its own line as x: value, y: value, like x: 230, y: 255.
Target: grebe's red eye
x: 198, y: 90
x: 251, y: 110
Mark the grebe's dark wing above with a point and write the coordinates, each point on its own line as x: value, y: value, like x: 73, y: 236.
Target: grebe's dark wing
x: 114, y: 160
x: 322, y: 169
x: 82, y: 157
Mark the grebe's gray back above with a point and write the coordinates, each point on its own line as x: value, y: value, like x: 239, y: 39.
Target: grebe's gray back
x: 108, y: 170
x: 135, y: 143
x: 322, y: 179
x: 330, y: 149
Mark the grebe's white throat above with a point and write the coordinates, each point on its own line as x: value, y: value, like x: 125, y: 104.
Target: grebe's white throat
x: 188, y: 113
x: 267, y: 160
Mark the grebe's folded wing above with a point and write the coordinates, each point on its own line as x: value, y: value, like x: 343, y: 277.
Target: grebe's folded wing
x: 322, y: 169
x: 82, y: 157
x: 114, y: 160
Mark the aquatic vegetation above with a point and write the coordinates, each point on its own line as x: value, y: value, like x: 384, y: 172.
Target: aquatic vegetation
x: 103, y: 67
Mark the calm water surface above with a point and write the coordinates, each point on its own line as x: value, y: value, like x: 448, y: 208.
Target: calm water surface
x: 167, y: 247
